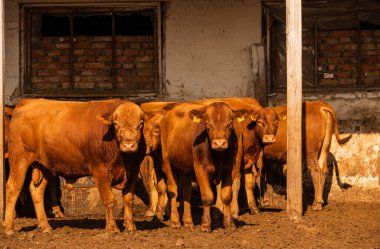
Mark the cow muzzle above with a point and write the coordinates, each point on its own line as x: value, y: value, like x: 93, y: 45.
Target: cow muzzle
x: 269, y: 139
x: 219, y: 144
x: 128, y: 147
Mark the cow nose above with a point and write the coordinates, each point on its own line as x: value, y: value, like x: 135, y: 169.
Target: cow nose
x: 269, y: 139
x: 128, y: 147
x: 219, y: 144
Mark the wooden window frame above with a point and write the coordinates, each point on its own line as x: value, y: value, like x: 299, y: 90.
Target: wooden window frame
x: 25, y: 42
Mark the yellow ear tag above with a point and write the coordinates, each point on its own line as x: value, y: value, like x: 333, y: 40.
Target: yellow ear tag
x: 253, y: 118
x: 283, y: 117
x: 196, y: 119
x: 240, y: 119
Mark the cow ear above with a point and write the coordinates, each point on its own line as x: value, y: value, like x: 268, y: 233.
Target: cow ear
x: 106, y: 118
x: 197, y: 115
x: 240, y: 115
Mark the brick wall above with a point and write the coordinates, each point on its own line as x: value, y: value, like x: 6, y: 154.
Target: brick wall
x: 338, y: 57
x: 92, y: 65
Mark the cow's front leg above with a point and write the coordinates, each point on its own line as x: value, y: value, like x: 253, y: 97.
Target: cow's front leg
x: 226, y: 196
x: 128, y: 194
x: 206, y: 195
x: 250, y: 181
x: 103, y: 182
x: 235, y: 197
x: 218, y: 203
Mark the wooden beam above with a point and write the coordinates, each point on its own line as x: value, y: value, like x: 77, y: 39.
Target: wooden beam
x: 2, y: 165
x: 294, y: 102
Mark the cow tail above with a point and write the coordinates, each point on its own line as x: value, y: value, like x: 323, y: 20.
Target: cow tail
x: 342, y: 141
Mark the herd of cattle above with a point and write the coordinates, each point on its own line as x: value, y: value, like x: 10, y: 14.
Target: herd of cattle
x: 171, y: 145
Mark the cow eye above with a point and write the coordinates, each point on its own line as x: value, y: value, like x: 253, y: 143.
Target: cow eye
x: 140, y: 125
x: 259, y: 122
x: 116, y: 124
x: 156, y: 131
x: 276, y: 123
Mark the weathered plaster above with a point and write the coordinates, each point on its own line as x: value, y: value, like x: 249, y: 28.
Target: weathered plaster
x: 358, y: 114
x: 208, y: 47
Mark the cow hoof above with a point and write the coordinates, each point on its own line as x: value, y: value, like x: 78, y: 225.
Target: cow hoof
x: 235, y: 215
x: 47, y: 230
x: 149, y: 214
x: 317, y: 207
x: 230, y: 226
x: 176, y: 225
x: 9, y: 232
x: 160, y: 216
x: 112, y: 230
x: 254, y: 210
x: 59, y: 215
x: 206, y: 228
x: 130, y: 228
x: 188, y: 225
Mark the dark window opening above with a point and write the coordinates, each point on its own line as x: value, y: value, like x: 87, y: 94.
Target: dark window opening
x: 53, y: 25
x: 94, y: 25
x: 369, y: 26
x: 134, y: 24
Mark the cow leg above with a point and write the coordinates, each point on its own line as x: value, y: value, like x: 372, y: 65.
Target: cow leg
x: 172, y: 192
x: 250, y: 181
x: 103, y: 182
x: 235, y: 197
x: 18, y: 169
x: 37, y: 188
x: 226, y: 196
x: 218, y: 203
x: 128, y: 194
x: 162, y: 199
x: 52, y: 188
x: 206, y: 195
x: 315, y: 173
x: 187, y: 188
x: 149, y: 179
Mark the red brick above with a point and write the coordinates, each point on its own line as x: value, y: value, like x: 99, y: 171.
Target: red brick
x: 366, y: 39
x: 331, y: 41
x: 38, y: 52
x: 86, y: 85
x: 331, y: 67
x: 368, y: 46
x: 373, y: 73
x: 130, y: 52
x: 350, y: 46
x: 377, y: 67
x: 100, y: 45
x: 95, y: 65
x: 79, y: 51
x: 345, y: 39
x: 335, y: 60
x: 63, y: 45
x: 347, y: 81
x: 343, y: 75
x: 346, y: 67
x: 365, y: 33
x: 39, y: 66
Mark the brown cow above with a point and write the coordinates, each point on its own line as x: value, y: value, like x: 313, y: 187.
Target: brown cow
x: 74, y: 139
x: 8, y: 114
x: 199, y: 140
x: 257, y: 132
x: 150, y: 168
x: 318, y: 121
x: 253, y: 140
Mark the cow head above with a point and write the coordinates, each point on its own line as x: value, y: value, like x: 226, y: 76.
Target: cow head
x: 218, y: 118
x: 266, y: 125
x: 127, y: 121
x: 151, y: 130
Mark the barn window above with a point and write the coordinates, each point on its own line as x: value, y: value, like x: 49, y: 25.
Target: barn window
x: 91, y: 52
x: 340, y: 50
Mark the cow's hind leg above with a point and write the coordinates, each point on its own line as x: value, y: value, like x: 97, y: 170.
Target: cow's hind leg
x: 315, y: 173
x: 187, y: 188
x: 218, y: 210
x: 37, y: 189
x: 52, y: 188
x: 18, y: 169
x: 103, y: 182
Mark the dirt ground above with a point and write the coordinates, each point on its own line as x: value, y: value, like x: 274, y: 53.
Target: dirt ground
x: 350, y: 220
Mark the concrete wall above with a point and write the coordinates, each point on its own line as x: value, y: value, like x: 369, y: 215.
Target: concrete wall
x: 208, y: 47
x: 358, y: 114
